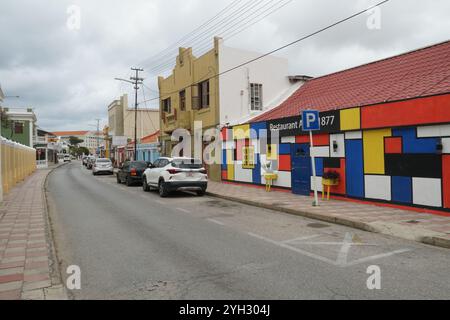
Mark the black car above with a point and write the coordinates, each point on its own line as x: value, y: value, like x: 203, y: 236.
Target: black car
x: 131, y: 172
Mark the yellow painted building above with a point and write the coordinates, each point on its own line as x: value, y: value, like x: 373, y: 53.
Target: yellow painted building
x: 190, y: 93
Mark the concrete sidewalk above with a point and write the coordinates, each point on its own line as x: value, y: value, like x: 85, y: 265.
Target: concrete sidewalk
x: 28, y: 268
x: 422, y: 227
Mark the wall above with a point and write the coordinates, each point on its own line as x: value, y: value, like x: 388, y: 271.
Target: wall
x: 271, y: 72
x: 389, y: 152
x: 17, y: 162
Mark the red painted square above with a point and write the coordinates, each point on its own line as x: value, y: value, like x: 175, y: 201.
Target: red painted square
x: 322, y: 139
x: 239, y: 145
x: 341, y: 188
x: 393, y: 145
x: 284, y: 162
x: 446, y: 179
x: 224, y: 175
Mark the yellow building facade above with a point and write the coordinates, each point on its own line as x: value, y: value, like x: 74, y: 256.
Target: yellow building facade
x: 189, y: 94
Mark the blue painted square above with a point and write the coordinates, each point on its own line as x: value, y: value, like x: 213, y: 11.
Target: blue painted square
x: 319, y: 166
x: 255, y: 130
x: 402, y: 189
x: 412, y: 144
x: 354, y: 168
x: 256, y: 174
x: 284, y: 148
x: 224, y: 159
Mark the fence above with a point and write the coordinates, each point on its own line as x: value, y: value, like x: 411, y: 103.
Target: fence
x: 17, y: 162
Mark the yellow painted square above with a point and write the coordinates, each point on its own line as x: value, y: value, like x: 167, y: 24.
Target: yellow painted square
x: 350, y: 119
x: 272, y: 153
x: 241, y: 132
x: 230, y: 172
x: 373, y: 141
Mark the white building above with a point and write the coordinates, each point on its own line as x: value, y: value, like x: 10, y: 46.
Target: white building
x: 254, y: 88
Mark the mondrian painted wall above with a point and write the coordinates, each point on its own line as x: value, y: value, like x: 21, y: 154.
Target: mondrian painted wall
x: 395, y: 152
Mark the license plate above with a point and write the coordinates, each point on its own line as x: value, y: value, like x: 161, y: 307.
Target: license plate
x: 189, y: 174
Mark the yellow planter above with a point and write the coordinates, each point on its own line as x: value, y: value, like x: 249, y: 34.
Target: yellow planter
x: 330, y: 182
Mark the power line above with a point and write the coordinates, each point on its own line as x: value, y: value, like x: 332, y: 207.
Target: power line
x: 234, y: 23
x: 193, y: 32
x: 281, y: 48
x: 200, y: 37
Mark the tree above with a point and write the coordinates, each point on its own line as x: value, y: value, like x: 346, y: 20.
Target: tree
x: 75, y: 141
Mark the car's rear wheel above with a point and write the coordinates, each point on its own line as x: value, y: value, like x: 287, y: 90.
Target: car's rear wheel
x: 162, y: 189
x: 118, y: 179
x: 128, y: 182
x: 201, y: 192
x: 145, y: 186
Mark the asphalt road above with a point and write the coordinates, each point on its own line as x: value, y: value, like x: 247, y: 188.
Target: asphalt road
x: 135, y: 245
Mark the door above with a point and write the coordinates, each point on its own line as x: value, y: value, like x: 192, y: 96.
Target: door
x: 301, y: 169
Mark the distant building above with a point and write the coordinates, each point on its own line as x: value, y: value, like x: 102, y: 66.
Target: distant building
x: 19, y: 125
x: 92, y: 140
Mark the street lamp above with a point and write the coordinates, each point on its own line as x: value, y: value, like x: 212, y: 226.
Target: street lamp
x: 135, y: 81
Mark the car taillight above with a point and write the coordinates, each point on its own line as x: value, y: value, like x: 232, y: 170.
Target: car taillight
x: 173, y: 171
x: 203, y: 171
x: 133, y: 171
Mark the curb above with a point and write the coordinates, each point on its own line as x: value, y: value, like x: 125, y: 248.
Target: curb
x: 429, y: 240
x: 57, y: 290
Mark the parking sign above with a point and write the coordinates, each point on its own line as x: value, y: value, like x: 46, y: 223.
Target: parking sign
x: 310, y: 120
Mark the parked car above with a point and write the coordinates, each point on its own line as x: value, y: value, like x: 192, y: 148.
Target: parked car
x: 173, y: 174
x: 131, y: 172
x: 84, y: 160
x: 102, y: 165
x: 67, y: 158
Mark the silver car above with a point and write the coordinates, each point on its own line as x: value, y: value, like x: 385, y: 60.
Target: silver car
x: 102, y: 165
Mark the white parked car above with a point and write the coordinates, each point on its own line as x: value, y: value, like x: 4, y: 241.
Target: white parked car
x: 172, y: 174
x: 102, y: 165
x: 67, y: 158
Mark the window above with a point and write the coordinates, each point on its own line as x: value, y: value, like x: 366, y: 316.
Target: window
x: 203, y: 91
x: 18, y: 127
x: 166, y: 105
x: 183, y: 100
x: 256, y: 96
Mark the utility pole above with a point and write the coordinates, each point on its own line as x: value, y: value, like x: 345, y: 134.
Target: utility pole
x: 98, y: 137
x: 137, y: 81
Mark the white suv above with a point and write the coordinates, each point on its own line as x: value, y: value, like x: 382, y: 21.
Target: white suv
x: 102, y: 165
x: 172, y: 174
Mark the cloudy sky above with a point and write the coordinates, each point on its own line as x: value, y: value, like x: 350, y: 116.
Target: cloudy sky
x: 67, y: 74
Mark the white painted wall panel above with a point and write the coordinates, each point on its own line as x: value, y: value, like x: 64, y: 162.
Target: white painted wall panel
x: 446, y: 145
x: 434, y: 131
x: 319, y: 184
x: 284, y: 179
x: 321, y: 152
x: 255, y: 144
x: 353, y: 135
x: 287, y: 139
x: 378, y: 187
x: 228, y: 145
x: 340, y: 152
x: 427, y: 192
x: 242, y: 175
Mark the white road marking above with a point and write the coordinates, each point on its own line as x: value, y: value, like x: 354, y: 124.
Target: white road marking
x: 378, y: 256
x: 183, y: 210
x: 343, y: 253
x: 301, y: 238
x: 286, y: 246
x: 341, y: 260
x: 216, y: 221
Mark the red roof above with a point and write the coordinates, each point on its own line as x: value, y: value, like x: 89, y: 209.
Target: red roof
x: 419, y: 73
x: 151, y: 138
x: 69, y: 133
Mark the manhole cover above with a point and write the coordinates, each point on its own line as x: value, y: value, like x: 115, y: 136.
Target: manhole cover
x: 317, y: 225
x: 413, y: 221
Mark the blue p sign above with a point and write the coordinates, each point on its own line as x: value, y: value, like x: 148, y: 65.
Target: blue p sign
x: 310, y: 120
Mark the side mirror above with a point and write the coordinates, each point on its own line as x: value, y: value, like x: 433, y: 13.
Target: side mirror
x: 150, y: 165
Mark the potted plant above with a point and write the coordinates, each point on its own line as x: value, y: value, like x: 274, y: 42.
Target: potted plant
x: 330, y: 178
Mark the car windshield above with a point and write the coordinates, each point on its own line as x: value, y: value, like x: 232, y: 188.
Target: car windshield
x: 187, y: 163
x: 103, y: 160
x: 139, y: 164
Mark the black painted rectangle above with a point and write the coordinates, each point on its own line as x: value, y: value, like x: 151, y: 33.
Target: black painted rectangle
x: 414, y: 165
x: 332, y: 163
